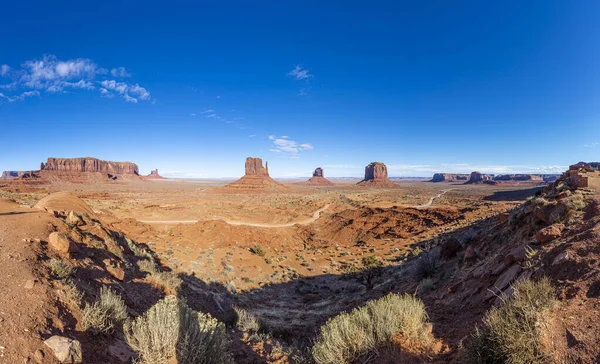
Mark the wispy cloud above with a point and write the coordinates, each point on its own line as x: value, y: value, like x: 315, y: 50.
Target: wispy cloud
x: 193, y: 114
x: 20, y: 97
x: 120, y: 72
x: 592, y: 145
x: 425, y: 170
x: 302, y: 75
x: 285, y: 146
x: 52, y: 75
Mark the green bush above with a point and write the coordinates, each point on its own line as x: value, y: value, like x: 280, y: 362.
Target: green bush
x: 512, y: 332
x: 351, y: 336
x: 170, y: 330
x: 258, y: 250
x: 105, y: 314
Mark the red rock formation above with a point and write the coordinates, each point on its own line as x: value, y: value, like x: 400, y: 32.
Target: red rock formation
x: 376, y: 175
x: 12, y: 174
x: 256, y: 179
x: 318, y: 179
x: 89, y: 164
x: 478, y: 177
x: 449, y: 177
x: 154, y: 175
x: 254, y: 167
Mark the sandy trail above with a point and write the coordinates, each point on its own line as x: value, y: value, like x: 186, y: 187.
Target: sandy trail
x: 428, y: 203
x: 314, y: 218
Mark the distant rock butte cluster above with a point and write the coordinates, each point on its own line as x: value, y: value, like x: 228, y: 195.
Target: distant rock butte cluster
x: 318, y: 179
x: 481, y: 178
x: 89, y: 164
x: 376, y: 175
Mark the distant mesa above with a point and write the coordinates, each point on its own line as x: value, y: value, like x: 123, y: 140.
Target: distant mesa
x: 450, y: 177
x: 318, y: 179
x: 376, y: 175
x: 256, y: 178
x: 480, y: 178
x: 6, y: 175
x: 519, y: 178
x: 89, y: 164
x: 154, y: 175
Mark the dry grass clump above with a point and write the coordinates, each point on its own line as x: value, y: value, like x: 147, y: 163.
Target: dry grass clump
x: 60, y: 268
x: 353, y: 335
x: 513, y: 332
x: 169, y: 282
x: 246, y: 321
x: 72, y: 295
x: 427, y: 264
x: 105, y: 313
x: 147, y: 265
x: 171, y: 331
x: 575, y: 202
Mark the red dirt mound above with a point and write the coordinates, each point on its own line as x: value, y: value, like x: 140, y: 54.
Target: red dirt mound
x: 64, y: 201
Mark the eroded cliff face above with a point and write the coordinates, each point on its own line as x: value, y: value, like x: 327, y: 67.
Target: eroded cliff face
x: 449, y: 177
x: 376, y: 175
x: 89, y: 164
x: 254, y: 167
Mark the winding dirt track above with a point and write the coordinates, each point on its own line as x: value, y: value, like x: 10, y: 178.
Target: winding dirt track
x: 314, y: 218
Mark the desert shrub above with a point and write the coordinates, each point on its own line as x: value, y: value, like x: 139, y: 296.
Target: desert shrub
x: 353, y: 335
x: 147, y: 265
x: 60, y: 268
x: 258, y: 250
x: 168, y: 281
x: 170, y: 330
x: 246, y: 321
x: 72, y: 294
x: 373, y: 270
x: 114, y: 248
x: 512, y: 332
x: 426, y: 285
x: 136, y: 249
x: 107, y: 312
x: 575, y: 202
x: 427, y: 264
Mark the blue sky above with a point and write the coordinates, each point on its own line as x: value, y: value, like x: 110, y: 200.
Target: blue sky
x: 193, y: 88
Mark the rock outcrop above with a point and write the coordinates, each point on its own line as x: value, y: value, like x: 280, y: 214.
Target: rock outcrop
x: 519, y: 178
x: 89, y: 164
x: 478, y: 178
x: 376, y: 175
x: 318, y: 179
x: 154, y: 174
x: 449, y: 177
x: 13, y: 174
x: 256, y: 179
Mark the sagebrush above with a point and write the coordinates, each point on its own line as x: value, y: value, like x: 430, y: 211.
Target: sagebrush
x: 105, y: 314
x: 170, y: 331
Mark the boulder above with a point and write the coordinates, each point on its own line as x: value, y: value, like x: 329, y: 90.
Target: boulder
x: 75, y: 219
x: 549, y: 233
x: 114, y: 269
x: 470, y: 254
x: 450, y: 248
x: 61, y: 243
x: 504, y: 280
x: 65, y: 350
x: 561, y: 258
x: 517, y: 255
x: 89, y: 164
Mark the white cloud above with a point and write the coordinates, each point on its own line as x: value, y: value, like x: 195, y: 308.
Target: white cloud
x: 120, y: 72
x: 131, y: 93
x: 285, y: 146
x: 300, y: 73
x: 193, y: 114
x: 251, y: 135
x: 592, y: 145
x: 53, y: 75
x: 426, y: 170
x: 4, y: 69
x: 20, y: 97
x: 209, y: 111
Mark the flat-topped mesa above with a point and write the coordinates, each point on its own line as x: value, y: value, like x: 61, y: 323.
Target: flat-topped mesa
x: 449, y: 177
x: 13, y: 174
x: 254, y: 167
x: 376, y: 175
x: 519, y: 178
x: 318, y: 179
x: 154, y: 174
x: 478, y: 177
x: 89, y: 164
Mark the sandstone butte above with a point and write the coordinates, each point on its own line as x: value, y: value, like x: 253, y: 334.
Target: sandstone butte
x: 376, y: 175
x: 449, y: 177
x: 256, y: 178
x: 318, y: 179
x: 89, y: 164
x: 478, y: 177
x: 154, y: 175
